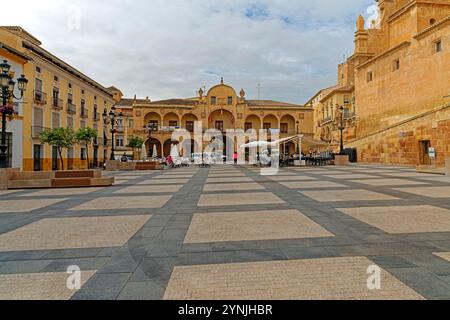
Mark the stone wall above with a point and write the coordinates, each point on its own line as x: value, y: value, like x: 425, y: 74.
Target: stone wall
x: 400, y: 144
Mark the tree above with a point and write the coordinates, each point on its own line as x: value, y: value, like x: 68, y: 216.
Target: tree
x: 135, y: 143
x: 62, y: 138
x: 85, y: 136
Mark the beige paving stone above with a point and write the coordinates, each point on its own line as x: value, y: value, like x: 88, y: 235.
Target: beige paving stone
x: 388, y: 182
x: 163, y: 181
x: 175, y: 176
x: 430, y: 192
x: 311, y: 184
x: 218, y: 200
x: 291, y: 178
x: 351, y: 176
x: 403, y: 219
x: 128, y: 202
x: 62, y: 192
x: 249, y: 226
x: 39, y: 286
x: 231, y: 187
x: 8, y: 192
x: 26, y: 205
x: 127, y: 177
x: 442, y: 179
x: 73, y: 233
x: 408, y: 175
x: 346, y: 195
x: 151, y: 189
x: 225, y: 175
x: 230, y: 179
x: 314, y: 279
x: 444, y: 255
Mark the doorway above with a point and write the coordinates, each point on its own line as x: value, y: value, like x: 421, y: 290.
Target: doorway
x: 425, y: 146
x: 37, y: 157
x: 54, y: 158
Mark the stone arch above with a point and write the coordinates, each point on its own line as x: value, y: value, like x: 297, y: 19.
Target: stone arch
x: 272, y: 120
x: 255, y: 121
x: 224, y: 116
x: 171, y: 116
x: 189, y: 117
x: 291, y: 124
x: 167, y: 147
x: 153, y: 116
x: 149, y: 147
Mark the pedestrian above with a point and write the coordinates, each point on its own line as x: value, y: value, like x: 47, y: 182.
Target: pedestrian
x: 235, y: 158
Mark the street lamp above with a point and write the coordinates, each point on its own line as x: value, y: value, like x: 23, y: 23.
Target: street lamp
x: 298, y: 142
x: 111, y: 116
x: 7, y: 85
x: 341, y: 128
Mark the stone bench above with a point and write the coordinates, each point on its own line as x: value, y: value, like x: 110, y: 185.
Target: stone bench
x: 54, y: 179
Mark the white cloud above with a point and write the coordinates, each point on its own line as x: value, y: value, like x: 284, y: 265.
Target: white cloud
x: 166, y: 49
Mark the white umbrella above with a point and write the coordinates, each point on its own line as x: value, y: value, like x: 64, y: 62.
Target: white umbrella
x: 144, y: 153
x: 256, y: 144
x: 174, y: 152
x: 155, y: 152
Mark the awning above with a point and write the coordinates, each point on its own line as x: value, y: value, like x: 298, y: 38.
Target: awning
x: 311, y: 142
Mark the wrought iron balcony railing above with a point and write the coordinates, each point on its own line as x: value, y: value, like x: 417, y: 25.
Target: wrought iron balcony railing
x: 84, y: 113
x: 37, y: 130
x: 40, y: 97
x: 57, y: 104
x: 71, y: 108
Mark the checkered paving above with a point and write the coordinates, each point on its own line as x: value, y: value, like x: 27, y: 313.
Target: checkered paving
x: 230, y: 232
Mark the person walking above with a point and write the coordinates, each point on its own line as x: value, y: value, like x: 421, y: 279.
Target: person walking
x: 235, y: 158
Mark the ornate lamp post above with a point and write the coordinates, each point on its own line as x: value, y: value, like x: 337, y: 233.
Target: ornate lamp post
x: 7, y: 85
x: 298, y: 142
x: 112, y: 120
x: 341, y: 128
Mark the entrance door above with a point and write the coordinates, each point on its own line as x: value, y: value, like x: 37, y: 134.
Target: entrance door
x: 95, y: 164
x: 54, y: 158
x: 424, y: 149
x: 37, y: 157
x: 70, y: 156
x: 219, y: 126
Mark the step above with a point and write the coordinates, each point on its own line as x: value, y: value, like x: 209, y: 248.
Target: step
x: 75, y: 174
x: 30, y: 175
x: 29, y: 184
x: 71, y: 182
x: 102, y: 182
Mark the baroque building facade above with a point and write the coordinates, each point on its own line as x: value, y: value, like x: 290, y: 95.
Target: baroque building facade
x: 220, y: 109
x: 400, y: 73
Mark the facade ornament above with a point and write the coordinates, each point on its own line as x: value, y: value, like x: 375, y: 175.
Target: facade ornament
x: 242, y: 94
x: 200, y: 94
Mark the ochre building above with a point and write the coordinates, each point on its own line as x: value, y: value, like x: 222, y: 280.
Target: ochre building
x: 58, y: 95
x: 400, y: 77
x: 221, y: 108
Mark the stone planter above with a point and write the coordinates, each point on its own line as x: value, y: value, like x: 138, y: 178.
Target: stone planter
x: 341, y: 160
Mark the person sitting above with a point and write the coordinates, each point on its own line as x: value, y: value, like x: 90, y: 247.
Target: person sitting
x: 124, y: 158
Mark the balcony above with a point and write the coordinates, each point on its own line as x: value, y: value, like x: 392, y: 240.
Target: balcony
x: 57, y: 104
x: 40, y: 97
x: 96, y: 116
x: 84, y: 113
x: 71, y: 108
x: 37, y: 130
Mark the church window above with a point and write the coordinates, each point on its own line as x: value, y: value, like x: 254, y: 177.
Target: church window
x: 214, y: 101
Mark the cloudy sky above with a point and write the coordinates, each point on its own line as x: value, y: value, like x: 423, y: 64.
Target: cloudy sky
x: 170, y: 48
